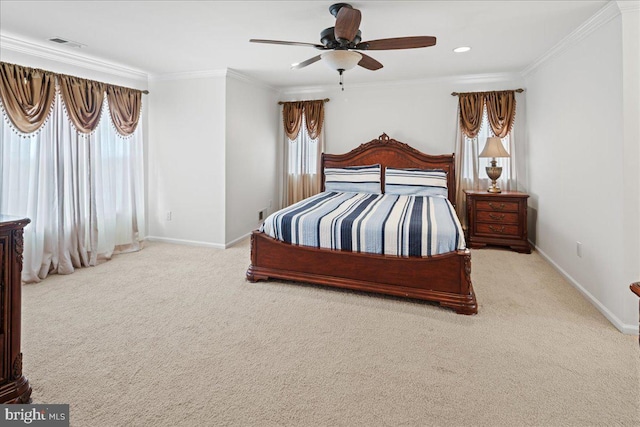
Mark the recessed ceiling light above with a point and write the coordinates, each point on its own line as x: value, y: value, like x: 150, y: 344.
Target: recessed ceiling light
x: 462, y: 49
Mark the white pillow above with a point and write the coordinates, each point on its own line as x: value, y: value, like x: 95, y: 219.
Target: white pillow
x: 354, y: 179
x: 416, y: 182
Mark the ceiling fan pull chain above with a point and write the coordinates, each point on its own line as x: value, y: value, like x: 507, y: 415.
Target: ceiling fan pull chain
x: 341, y: 79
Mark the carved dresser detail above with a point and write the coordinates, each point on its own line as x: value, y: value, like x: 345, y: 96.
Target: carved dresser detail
x: 14, y: 387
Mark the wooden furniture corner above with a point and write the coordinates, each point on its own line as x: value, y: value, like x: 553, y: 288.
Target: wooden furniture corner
x: 14, y: 387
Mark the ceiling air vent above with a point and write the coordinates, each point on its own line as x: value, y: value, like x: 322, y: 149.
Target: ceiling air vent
x: 66, y: 42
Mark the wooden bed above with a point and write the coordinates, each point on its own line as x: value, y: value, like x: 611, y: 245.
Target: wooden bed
x: 444, y: 278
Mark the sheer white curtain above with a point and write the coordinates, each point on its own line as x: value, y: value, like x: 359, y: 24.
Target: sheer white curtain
x: 83, y: 193
x: 470, y: 169
x: 302, y: 166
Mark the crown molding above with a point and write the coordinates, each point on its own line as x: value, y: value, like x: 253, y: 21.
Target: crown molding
x: 601, y: 17
x: 467, y: 79
x: 299, y: 90
x: 187, y: 75
x: 629, y: 5
x: 227, y: 72
x: 234, y: 74
x: 14, y: 44
x: 481, y: 78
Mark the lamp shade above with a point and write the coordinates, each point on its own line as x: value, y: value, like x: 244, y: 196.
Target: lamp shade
x: 341, y: 59
x: 494, y: 148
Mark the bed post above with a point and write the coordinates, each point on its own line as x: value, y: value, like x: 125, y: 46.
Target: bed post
x: 471, y: 307
x: 251, y: 275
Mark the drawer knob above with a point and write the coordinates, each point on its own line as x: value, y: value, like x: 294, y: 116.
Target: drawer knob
x: 496, y: 207
x: 496, y: 229
x: 498, y: 217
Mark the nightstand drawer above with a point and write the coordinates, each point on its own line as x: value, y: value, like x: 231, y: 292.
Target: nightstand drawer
x: 498, y: 229
x: 497, y: 217
x: 497, y: 206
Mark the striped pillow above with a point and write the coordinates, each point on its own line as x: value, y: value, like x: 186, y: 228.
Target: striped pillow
x: 353, y: 179
x: 416, y: 182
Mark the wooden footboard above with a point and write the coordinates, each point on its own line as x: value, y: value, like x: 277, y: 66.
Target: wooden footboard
x: 442, y: 278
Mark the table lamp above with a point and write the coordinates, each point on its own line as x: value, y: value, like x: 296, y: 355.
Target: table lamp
x: 494, y: 148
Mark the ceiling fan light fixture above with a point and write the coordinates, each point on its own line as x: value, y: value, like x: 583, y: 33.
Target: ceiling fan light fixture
x: 341, y: 59
x: 462, y: 49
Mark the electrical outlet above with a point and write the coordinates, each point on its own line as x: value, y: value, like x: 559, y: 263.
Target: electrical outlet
x: 169, y: 215
x: 262, y: 214
x: 579, y: 249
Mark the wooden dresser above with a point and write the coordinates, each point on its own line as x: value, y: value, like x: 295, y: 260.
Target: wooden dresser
x: 14, y: 387
x: 497, y: 219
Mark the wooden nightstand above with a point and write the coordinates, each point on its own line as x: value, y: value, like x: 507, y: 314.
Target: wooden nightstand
x: 497, y: 219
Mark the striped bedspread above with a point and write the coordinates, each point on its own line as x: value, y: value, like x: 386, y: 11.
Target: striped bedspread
x: 372, y: 223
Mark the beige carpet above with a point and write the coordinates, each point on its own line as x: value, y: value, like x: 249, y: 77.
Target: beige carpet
x: 174, y: 335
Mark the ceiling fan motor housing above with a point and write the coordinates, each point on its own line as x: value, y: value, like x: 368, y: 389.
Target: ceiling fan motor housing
x: 328, y: 39
x: 335, y: 8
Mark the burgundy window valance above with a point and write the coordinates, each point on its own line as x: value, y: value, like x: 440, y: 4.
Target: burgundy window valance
x: 124, y: 105
x: 83, y: 101
x: 292, y: 117
x: 27, y: 95
x: 501, y: 111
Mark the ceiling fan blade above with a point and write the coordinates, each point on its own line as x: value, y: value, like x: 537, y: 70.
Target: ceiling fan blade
x: 397, y: 43
x: 369, y: 63
x: 305, y: 63
x: 347, y: 23
x: 317, y: 46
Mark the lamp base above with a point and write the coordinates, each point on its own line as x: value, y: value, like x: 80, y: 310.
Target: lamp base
x: 494, y: 172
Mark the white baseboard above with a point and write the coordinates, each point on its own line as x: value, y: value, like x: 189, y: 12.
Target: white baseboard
x: 185, y: 242
x: 620, y: 325
x: 233, y: 242
x: 195, y: 242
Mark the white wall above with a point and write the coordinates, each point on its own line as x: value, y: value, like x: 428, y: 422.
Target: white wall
x: 252, y: 127
x: 630, y: 14
x: 576, y: 168
x: 187, y: 160
x: 419, y: 113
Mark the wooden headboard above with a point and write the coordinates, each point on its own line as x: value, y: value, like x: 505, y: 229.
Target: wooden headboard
x: 395, y: 154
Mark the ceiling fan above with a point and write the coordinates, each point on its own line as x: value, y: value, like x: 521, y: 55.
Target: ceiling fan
x: 343, y: 43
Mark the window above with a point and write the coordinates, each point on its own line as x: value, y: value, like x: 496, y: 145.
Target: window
x: 302, y: 159
x: 83, y: 193
x: 303, y: 153
x: 484, y: 133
